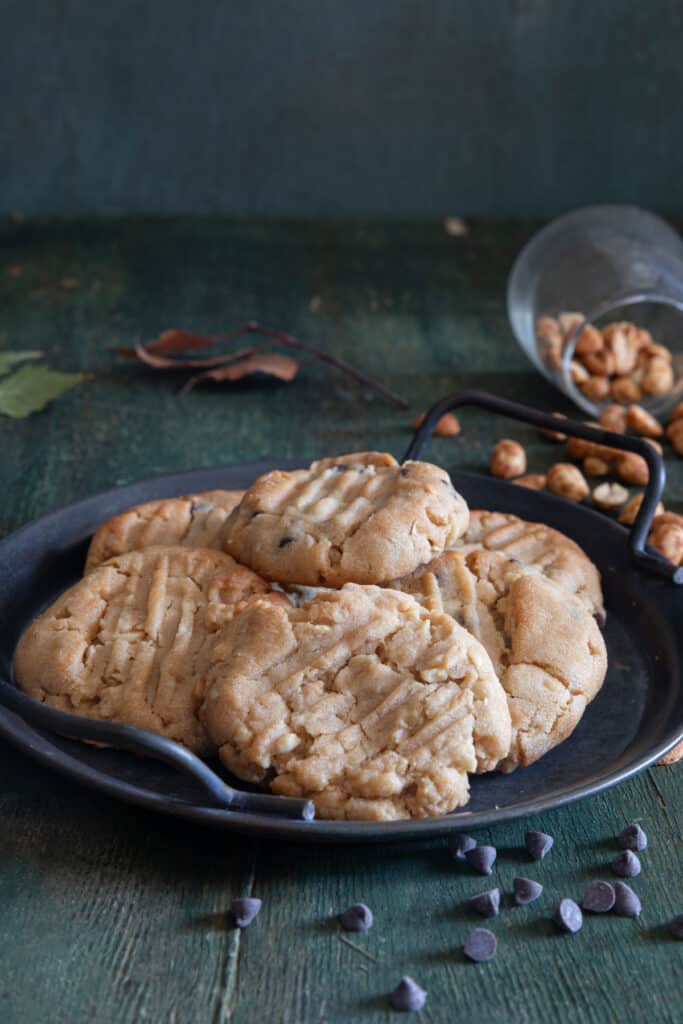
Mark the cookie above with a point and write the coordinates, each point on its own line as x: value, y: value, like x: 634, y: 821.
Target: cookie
x: 362, y: 700
x: 131, y: 641
x: 560, y: 559
x: 545, y: 645
x: 195, y: 520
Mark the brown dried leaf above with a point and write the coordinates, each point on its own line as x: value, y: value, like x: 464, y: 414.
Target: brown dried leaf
x: 273, y: 365
x: 169, y: 343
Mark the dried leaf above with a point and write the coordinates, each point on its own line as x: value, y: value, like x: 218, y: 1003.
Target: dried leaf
x: 32, y: 387
x: 10, y: 359
x: 170, y: 343
x: 164, y: 363
x: 273, y: 365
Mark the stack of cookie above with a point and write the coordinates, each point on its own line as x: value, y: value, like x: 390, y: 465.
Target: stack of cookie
x: 349, y: 633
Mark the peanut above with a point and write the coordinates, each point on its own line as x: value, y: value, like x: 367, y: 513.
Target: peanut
x: 567, y: 481
x: 590, y: 340
x: 447, y: 426
x: 623, y: 352
x: 625, y: 390
x: 660, y: 351
x: 568, y: 322
x: 536, y: 481
x: 675, y: 434
x: 640, y: 420
x: 658, y: 377
x: 676, y: 413
x: 668, y: 540
x: 613, y: 417
x: 668, y: 519
x: 628, y: 514
x: 596, y: 388
x: 609, y: 496
x: 578, y: 372
x: 632, y: 469
x: 599, y: 363
x: 594, y: 466
x: 555, y: 435
x: 508, y: 459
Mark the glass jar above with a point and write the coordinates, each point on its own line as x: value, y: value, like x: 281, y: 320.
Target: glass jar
x: 597, y: 266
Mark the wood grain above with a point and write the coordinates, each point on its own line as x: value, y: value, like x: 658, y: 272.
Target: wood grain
x: 116, y: 916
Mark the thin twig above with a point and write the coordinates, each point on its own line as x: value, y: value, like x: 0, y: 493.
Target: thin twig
x: 358, y: 949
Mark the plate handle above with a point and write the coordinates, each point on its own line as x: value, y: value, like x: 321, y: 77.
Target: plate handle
x: 644, y: 557
x: 146, y: 743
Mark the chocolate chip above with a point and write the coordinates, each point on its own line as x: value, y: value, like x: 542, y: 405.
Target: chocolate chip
x: 356, y: 918
x: 407, y: 996
x: 486, y: 903
x: 244, y: 910
x: 598, y: 898
x: 632, y: 838
x: 459, y: 844
x: 480, y: 945
x: 626, y: 903
x: 676, y: 927
x: 626, y: 864
x: 568, y: 916
x: 482, y: 859
x: 538, y: 844
x: 285, y: 541
x: 526, y: 890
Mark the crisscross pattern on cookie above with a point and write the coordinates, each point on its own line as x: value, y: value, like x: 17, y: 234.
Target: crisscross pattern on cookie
x: 359, y: 518
x: 195, y: 520
x: 544, y: 644
x: 360, y: 699
x: 131, y: 641
x: 559, y: 558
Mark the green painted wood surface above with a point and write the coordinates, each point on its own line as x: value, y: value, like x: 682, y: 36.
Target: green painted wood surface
x: 112, y: 915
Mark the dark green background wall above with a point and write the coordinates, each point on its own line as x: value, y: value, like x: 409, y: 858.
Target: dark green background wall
x: 390, y: 107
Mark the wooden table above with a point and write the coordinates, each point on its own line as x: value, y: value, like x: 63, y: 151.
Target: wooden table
x: 110, y: 914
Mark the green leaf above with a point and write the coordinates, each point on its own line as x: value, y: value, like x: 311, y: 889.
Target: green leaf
x: 32, y: 387
x: 8, y: 359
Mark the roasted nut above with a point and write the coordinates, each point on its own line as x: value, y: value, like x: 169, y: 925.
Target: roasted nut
x: 625, y: 390
x: 601, y: 364
x: 613, y: 417
x: 628, y: 514
x: 632, y: 469
x: 609, y: 497
x: 536, y: 481
x: 675, y: 434
x: 590, y: 340
x: 578, y: 372
x: 508, y: 459
x: 596, y: 388
x: 577, y: 448
x: 668, y: 518
x: 658, y: 377
x: 640, y: 420
x: 448, y: 425
x: 555, y: 435
x: 661, y: 351
x: 654, y: 444
x: 593, y: 466
x: 548, y: 329
x: 668, y: 540
x: 568, y: 322
x: 568, y: 481
x: 676, y: 413
x: 624, y: 353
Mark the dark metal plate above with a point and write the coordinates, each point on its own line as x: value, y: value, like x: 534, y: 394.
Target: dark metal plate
x: 636, y: 718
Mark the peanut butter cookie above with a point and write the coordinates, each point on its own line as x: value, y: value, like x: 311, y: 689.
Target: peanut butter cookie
x: 131, y: 641
x: 545, y: 645
x: 360, y: 518
x: 361, y: 699
x: 195, y: 521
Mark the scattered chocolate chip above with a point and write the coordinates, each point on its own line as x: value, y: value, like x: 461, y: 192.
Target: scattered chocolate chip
x: 568, y: 916
x: 407, y: 996
x: 486, y: 903
x: 459, y: 844
x: 626, y: 903
x: 632, y: 838
x: 357, y: 918
x: 526, y: 890
x: 482, y: 859
x: 244, y: 910
x: 285, y: 541
x: 538, y: 844
x: 676, y: 927
x: 598, y: 898
x: 626, y: 864
x: 480, y: 945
